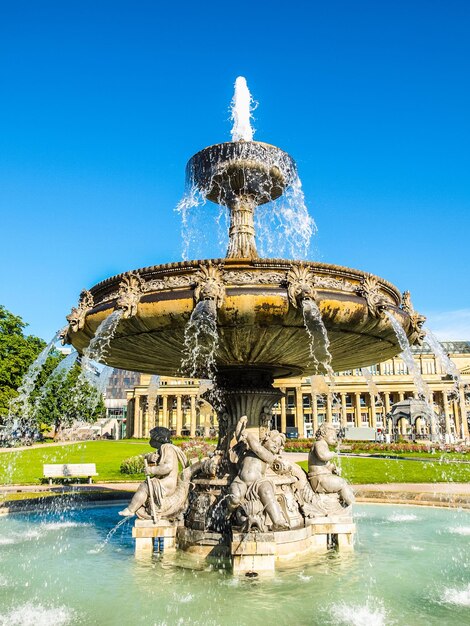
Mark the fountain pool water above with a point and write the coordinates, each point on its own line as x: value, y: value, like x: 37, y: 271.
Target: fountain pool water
x: 409, y: 567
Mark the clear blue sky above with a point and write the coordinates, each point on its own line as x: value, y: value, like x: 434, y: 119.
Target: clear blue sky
x: 102, y: 103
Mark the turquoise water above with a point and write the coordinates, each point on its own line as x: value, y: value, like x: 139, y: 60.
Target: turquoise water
x: 411, y: 566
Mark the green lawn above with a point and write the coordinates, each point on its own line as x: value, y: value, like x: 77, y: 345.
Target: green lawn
x: 361, y: 471
x: 25, y: 467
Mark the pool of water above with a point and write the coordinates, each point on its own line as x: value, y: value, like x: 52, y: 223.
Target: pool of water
x: 411, y: 566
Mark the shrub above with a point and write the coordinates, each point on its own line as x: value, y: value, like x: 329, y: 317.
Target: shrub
x: 133, y: 465
x: 197, y: 448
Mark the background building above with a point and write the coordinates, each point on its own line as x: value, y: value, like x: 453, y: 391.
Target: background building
x: 359, y: 399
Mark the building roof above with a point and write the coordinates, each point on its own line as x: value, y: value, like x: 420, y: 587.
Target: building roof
x: 450, y: 347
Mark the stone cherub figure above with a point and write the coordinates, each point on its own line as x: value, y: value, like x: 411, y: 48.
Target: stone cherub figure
x: 163, y: 493
x: 322, y: 474
x: 252, y: 492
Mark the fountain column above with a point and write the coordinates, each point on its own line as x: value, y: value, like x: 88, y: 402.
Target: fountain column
x: 242, y: 229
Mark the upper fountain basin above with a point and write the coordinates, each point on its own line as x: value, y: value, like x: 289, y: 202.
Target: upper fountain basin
x: 249, y: 169
x: 259, y: 323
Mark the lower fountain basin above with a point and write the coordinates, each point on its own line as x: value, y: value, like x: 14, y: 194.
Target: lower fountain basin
x: 53, y: 571
x: 258, y: 325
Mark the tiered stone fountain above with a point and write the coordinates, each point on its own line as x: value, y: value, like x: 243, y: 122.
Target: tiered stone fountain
x: 247, y: 503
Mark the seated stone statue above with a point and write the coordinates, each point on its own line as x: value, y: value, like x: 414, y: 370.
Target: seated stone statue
x: 322, y: 474
x: 163, y: 493
x: 251, y: 490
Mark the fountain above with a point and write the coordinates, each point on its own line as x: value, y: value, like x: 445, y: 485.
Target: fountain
x: 249, y: 320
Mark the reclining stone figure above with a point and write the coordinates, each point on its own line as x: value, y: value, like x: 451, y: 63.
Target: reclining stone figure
x: 252, y: 492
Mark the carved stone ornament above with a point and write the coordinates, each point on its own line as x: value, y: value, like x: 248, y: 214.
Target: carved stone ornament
x: 416, y: 320
x: 338, y: 284
x: 300, y: 284
x: 209, y: 284
x: 131, y: 288
x: 77, y: 316
x: 254, y: 278
x: 370, y: 290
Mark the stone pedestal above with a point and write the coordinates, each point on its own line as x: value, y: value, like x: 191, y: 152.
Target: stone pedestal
x: 331, y: 532
x: 150, y: 537
x: 253, y: 553
x: 259, y: 553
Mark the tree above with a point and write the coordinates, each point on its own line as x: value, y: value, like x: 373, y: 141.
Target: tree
x: 67, y: 398
x: 17, y: 352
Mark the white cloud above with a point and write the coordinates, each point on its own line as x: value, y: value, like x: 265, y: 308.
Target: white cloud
x: 450, y: 325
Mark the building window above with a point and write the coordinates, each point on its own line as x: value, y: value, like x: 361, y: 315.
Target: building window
x: 290, y: 399
x: 306, y: 401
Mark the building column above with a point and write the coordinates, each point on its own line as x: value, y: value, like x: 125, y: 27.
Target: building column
x: 299, y: 412
x: 193, y: 416
x: 138, y: 417
x: 357, y: 416
x: 463, y: 413
x: 145, y: 419
x: 344, y: 412
x: 314, y: 413
x: 329, y: 411
x: 372, y: 417
x: 179, y: 416
x: 387, y: 403
x: 445, y: 404
x: 401, y: 396
x: 283, y: 411
x: 165, y: 411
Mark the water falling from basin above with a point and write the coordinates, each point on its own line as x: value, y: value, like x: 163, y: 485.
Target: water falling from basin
x: 200, y: 342
x: 447, y: 365
x: 21, y: 403
x: 319, y: 341
x: 407, y: 356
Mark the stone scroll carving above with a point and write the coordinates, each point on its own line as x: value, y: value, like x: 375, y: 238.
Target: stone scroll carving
x: 131, y: 288
x: 300, y: 285
x: 369, y: 289
x: 209, y: 284
x: 416, y: 320
x: 77, y: 316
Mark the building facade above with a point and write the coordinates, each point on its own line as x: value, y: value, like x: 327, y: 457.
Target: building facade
x: 359, y: 398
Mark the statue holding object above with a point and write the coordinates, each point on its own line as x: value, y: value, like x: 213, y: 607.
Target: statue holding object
x: 324, y: 475
x: 164, y: 492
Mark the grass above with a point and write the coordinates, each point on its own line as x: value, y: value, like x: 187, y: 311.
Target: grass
x: 25, y: 467
x: 362, y: 471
